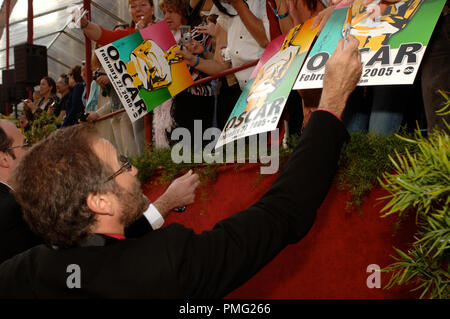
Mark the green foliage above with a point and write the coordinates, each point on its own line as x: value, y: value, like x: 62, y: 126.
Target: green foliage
x: 9, y: 117
x: 152, y: 162
x: 427, y: 272
x: 445, y: 110
x: 159, y: 162
x: 365, y: 158
x: 41, y: 127
x: 421, y: 182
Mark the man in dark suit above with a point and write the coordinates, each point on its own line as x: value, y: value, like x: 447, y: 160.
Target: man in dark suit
x: 15, y: 234
x: 88, y: 197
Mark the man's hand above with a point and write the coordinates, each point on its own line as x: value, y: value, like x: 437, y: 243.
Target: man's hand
x: 342, y: 73
x: 180, y: 193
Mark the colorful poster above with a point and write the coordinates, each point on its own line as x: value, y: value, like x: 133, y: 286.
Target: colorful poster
x: 262, y: 101
x: 144, y: 69
x: 392, y: 45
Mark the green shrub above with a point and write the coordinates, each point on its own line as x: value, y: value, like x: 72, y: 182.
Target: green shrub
x: 420, y: 183
x: 364, y: 160
x: 41, y: 127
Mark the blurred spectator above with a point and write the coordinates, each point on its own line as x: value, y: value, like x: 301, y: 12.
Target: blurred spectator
x: 118, y: 129
x: 84, y: 77
x: 248, y: 33
x: 242, y: 33
x: 75, y: 107
x: 15, y: 234
x: 122, y: 128
x: 99, y: 102
x: 197, y: 102
x: 23, y: 123
x: 142, y: 15
x: 280, y: 18
x: 196, y: 9
x: 36, y: 94
x: 435, y: 72
x: 302, y: 10
x: 46, y: 102
x: 159, y: 15
x: 63, y: 89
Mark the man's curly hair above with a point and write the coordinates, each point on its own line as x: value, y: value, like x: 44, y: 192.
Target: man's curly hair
x: 53, y: 180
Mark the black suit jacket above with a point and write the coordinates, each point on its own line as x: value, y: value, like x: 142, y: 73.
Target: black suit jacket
x: 17, y: 237
x: 15, y: 234
x: 174, y: 262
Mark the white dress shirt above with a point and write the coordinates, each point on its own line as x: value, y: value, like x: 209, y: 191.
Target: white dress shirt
x: 154, y: 217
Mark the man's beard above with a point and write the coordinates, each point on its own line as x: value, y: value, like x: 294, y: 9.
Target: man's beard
x: 133, y: 203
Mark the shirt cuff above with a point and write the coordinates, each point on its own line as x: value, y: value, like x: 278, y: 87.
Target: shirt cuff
x: 154, y: 217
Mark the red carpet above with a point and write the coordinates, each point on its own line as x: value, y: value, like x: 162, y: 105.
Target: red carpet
x: 330, y: 262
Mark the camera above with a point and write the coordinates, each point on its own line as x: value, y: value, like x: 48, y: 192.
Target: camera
x: 226, y: 54
x: 186, y: 35
x: 97, y: 74
x: 83, y: 117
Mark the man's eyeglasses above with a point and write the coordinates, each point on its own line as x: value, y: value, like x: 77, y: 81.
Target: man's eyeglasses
x: 126, y: 166
x: 26, y: 143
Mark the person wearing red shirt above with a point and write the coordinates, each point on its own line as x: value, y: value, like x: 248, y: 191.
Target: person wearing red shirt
x: 142, y: 15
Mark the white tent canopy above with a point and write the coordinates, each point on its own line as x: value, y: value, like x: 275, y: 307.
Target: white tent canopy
x: 65, y: 46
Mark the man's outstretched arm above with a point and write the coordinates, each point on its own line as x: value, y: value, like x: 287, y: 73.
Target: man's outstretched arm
x: 214, y: 263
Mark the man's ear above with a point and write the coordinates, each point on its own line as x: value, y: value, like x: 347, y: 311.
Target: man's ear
x: 100, y: 203
x: 4, y: 160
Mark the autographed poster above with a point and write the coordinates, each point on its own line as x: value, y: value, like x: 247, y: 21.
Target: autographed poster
x: 392, y: 44
x: 261, y: 103
x: 144, y: 69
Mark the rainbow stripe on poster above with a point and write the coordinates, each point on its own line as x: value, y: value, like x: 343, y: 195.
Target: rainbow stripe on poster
x: 392, y: 45
x: 262, y: 101
x: 144, y: 69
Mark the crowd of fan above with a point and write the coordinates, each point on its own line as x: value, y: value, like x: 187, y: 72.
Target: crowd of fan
x: 224, y: 35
